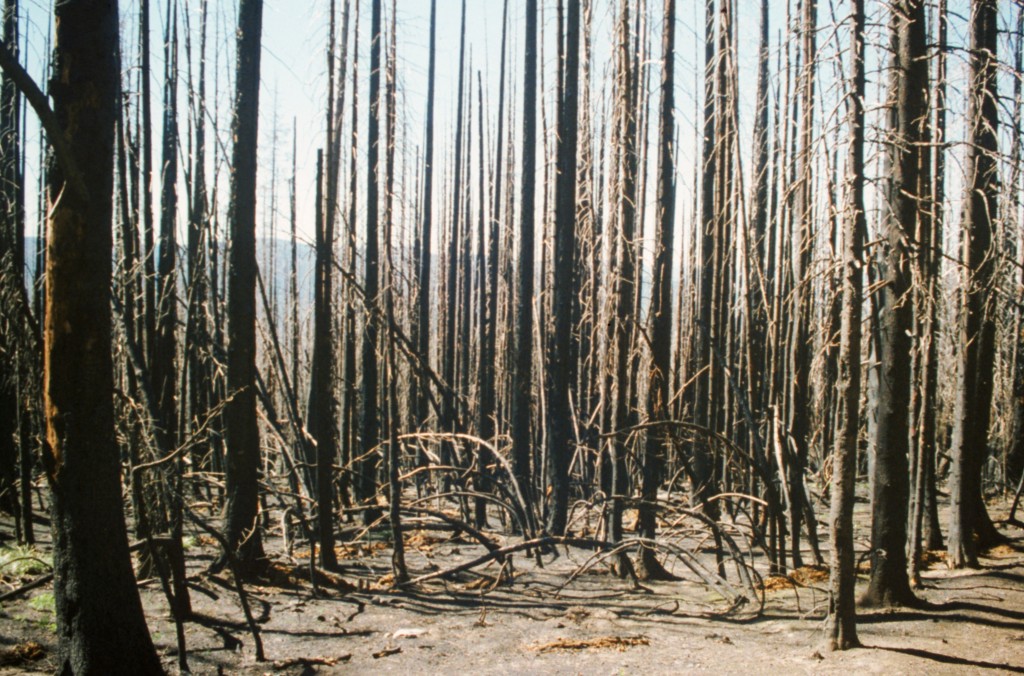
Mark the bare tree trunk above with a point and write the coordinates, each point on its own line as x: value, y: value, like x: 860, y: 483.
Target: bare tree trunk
x: 398, y: 568
x: 452, y: 348
x: 522, y: 376
x: 701, y: 464
x: 243, y: 449
x: 842, y: 631
x: 658, y: 392
x: 489, y: 273
x: 564, y: 346
x: 100, y: 624
x: 370, y: 423
x: 932, y: 530
x: 889, y: 581
x: 322, y: 417
x: 149, y: 304
x: 970, y: 528
x: 1015, y: 452
x: 421, y: 325
x: 11, y: 269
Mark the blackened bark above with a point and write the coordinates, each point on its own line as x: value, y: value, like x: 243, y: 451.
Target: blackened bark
x: 100, y: 624
x: 322, y: 417
x: 10, y: 266
x: 658, y: 392
x: 165, y: 347
x: 1015, y: 453
x: 890, y: 583
x: 421, y: 326
x: 146, y: 180
x: 370, y: 422
x: 969, y: 524
x: 243, y: 447
x: 522, y: 376
x: 564, y: 345
x: 452, y: 348
x: 489, y: 272
x: 702, y: 470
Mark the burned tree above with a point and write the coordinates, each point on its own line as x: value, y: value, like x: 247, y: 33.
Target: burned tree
x: 100, y: 624
x: 243, y: 447
x: 842, y: 632
x: 970, y: 527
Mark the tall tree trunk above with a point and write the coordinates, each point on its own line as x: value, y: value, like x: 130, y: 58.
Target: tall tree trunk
x: 452, y: 348
x: 658, y: 393
x: 146, y: 179
x: 165, y: 347
x: 421, y: 326
x: 398, y: 567
x: 701, y: 464
x: 100, y: 624
x: 243, y: 447
x: 932, y: 530
x: 322, y: 416
x: 842, y: 628
x: 800, y: 347
x: 889, y: 581
x: 1015, y: 452
x: 564, y: 346
x: 489, y: 273
x: 11, y: 267
x: 522, y: 375
x: 370, y: 423
x: 969, y: 525
x: 349, y: 429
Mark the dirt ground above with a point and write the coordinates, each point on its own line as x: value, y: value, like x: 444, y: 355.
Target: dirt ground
x: 538, y: 623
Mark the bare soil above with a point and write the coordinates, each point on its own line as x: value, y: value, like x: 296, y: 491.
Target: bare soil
x: 482, y: 622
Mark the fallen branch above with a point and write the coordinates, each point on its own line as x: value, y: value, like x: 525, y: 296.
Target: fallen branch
x: 28, y: 586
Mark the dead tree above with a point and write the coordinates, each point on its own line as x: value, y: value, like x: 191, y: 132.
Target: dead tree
x: 842, y: 630
x: 908, y: 126
x: 658, y: 392
x: 421, y: 324
x: 100, y: 624
x: 522, y: 375
x: 564, y: 346
x: 243, y: 447
x: 11, y: 264
x: 452, y: 348
x: 370, y: 422
x: 322, y: 418
x: 970, y: 527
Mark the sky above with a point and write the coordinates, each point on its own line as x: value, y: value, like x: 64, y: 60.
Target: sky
x: 294, y: 78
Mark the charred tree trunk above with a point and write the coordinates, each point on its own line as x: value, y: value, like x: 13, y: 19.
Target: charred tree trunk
x: 891, y: 486
x: 11, y: 266
x: 100, y: 624
x: 564, y: 346
x: 658, y: 392
x: 243, y: 447
x: 322, y: 417
x: 452, y: 347
x: 522, y: 376
x: 149, y: 304
x: 370, y: 423
x: 421, y: 325
x: 970, y: 528
x: 487, y: 424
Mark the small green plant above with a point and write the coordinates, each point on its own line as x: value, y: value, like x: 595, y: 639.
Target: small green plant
x: 189, y: 542
x: 23, y: 560
x: 43, y: 602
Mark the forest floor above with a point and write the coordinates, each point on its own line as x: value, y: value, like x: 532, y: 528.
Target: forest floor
x: 973, y: 621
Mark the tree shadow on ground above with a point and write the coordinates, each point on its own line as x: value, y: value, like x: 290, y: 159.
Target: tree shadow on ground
x: 950, y: 659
